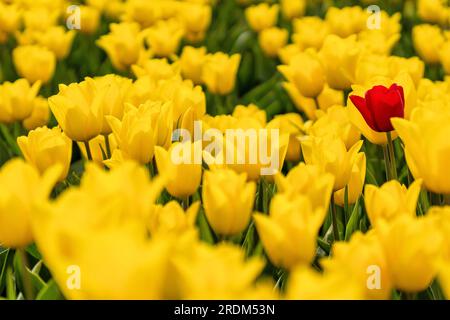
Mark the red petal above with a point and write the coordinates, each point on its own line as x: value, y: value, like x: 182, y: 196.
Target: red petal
x: 360, y: 104
x: 385, y: 104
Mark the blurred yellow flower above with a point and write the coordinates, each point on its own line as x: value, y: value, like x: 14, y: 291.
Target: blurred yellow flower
x: 293, y: 8
x: 35, y: 63
x: 21, y: 188
x: 89, y: 19
x: 428, y: 40
x: 292, y: 124
x: 196, y: 18
x: 272, y: 40
x: 346, y: 21
x: 191, y: 63
x: 98, y: 149
x: 355, y: 184
x: 164, y: 37
x: 57, y: 40
x: 17, y: 100
x: 262, y: 16
x: 250, y: 112
x: 39, y: 115
x: 310, y: 32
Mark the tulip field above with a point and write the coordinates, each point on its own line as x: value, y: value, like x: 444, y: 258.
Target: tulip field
x: 225, y: 149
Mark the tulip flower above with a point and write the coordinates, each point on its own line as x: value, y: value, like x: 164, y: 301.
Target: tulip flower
x: 164, y: 38
x: 21, y: 187
x: 292, y: 124
x: 346, y: 21
x: 78, y: 108
x: 332, y: 156
x: 293, y: 8
x: 250, y: 112
x: 40, y: 18
x: 183, y: 167
x: 445, y: 57
x: 191, y: 63
x: 17, y: 100
x: 289, y: 233
x: 306, y: 72
x: 310, y: 32
x: 196, y: 18
x: 219, y: 72
x: 124, y: 44
x: 35, y: 63
x: 44, y: 147
x: 10, y: 16
x: 355, y: 184
x: 261, y: 16
x: 271, y: 40
x: 98, y: 148
x: 379, y: 105
x: 355, y: 258
x: 424, y: 136
x: 308, y: 284
x: 228, y: 200
x: 428, y: 41
x: 172, y: 218
x: 156, y: 69
x: 391, y: 200
x: 57, y: 40
x: 310, y: 181
x: 340, y: 59
x: 39, y: 115
x: 89, y: 19
x: 404, y: 240
x: 433, y: 11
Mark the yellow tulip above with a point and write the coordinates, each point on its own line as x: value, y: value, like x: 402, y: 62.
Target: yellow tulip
x: 124, y: 44
x: 330, y: 97
x: 164, y: 38
x: 306, y: 72
x: 444, y: 278
x: 222, y: 271
x: 39, y: 115
x: 441, y: 217
x: 89, y: 19
x: 340, y: 59
x: 40, y: 18
x: 289, y: 233
x: 17, y: 99
x: 355, y: 184
x: 272, y: 39
x: 172, y: 218
x: 332, y: 156
x: 156, y: 69
x: 391, y: 200
x: 428, y: 40
x: 289, y: 51
x: 404, y: 80
x: 411, y: 246
x: 78, y: 108
x: 414, y: 66
x: 21, y: 187
x: 196, y: 18
x: 228, y: 200
x: 191, y: 63
x: 183, y: 166
x: 250, y: 112
x: 310, y: 32
x: 9, y: 17
x: 335, y: 121
x: 262, y: 16
x: 135, y: 133
x: 346, y: 21
x: 425, y: 139
x: 35, y: 63
x: 433, y: 11
x: 97, y: 147
x: 357, y: 258
x: 310, y: 181
x: 57, y: 40
x: 293, y: 8
x: 44, y: 147
x: 144, y: 12
x: 292, y: 124
x: 308, y: 284
x: 219, y: 72
x: 117, y: 88
x: 377, y: 42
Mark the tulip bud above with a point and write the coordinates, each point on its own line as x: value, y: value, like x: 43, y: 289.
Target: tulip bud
x: 17, y: 100
x: 191, y: 62
x: 219, y: 72
x: 355, y: 184
x: 228, y: 200
x: 164, y: 38
x: 89, y: 19
x: 293, y: 8
x: 428, y: 41
x: 261, y: 16
x: 272, y: 40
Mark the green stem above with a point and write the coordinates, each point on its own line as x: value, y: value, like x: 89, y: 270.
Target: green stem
x: 387, y: 163
x: 108, y: 146
x: 88, y: 150
x: 345, y: 205
x: 334, y: 220
x: 392, y: 156
x: 447, y: 199
x: 28, y: 288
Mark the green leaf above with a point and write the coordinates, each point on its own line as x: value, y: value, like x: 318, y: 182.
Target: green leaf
x: 352, y: 224
x: 50, y: 292
x: 325, y: 246
x: 5, y: 260
x: 203, y: 226
x: 10, y: 285
x: 33, y: 250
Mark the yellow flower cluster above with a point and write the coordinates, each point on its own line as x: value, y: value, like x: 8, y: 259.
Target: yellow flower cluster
x: 276, y: 151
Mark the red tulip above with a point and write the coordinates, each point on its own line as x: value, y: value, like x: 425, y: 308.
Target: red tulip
x: 379, y: 105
